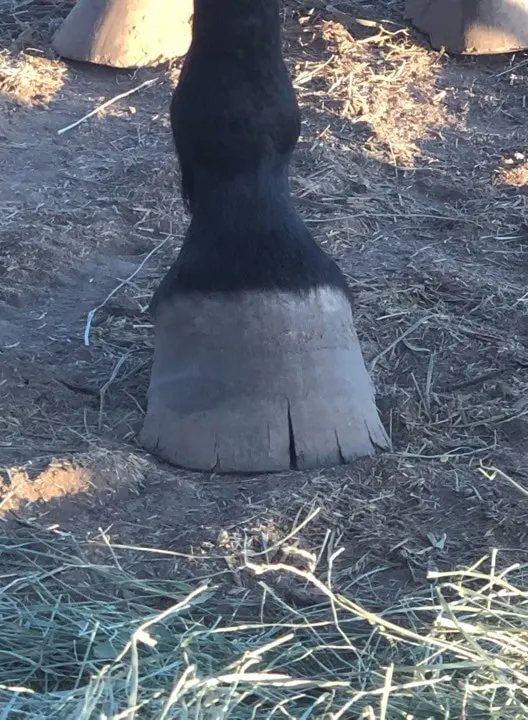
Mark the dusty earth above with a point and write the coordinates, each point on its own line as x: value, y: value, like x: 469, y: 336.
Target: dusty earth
x: 411, y: 171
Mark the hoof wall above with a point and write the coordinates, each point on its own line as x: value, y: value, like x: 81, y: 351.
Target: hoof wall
x: 125, y: 33
x: 472, y: 27
x: 260, y: 383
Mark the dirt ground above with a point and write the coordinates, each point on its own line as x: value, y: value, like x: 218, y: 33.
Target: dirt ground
x: 412, y: 171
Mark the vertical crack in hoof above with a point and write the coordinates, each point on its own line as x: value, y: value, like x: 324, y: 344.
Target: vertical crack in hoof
x: 217, y: 465
x: 342, y: 460
x: 293, y: 452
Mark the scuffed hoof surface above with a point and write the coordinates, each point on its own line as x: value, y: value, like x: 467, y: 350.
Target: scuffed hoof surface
x: 260, y: 383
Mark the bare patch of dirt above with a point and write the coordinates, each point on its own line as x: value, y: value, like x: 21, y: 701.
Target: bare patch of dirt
x: 397, y: 173
x: 56, y: 481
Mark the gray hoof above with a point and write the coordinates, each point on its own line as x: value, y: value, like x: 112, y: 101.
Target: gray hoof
x: 260, y: 382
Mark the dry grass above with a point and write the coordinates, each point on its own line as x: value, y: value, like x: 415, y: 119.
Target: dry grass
x: 30, y: 80
x: 89, y: 643
x: 409, y: 172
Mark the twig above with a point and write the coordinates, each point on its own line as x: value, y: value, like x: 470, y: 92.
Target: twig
x: 121, y: 285
x: 106, y: 104
x: 491, y: 473
x: 104, y: 389
x: 398, y: 340
x: 445, y: 456
x: 511, y: 69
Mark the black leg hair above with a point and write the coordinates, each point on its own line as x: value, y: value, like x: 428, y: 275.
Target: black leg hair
x: 236, y: 121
